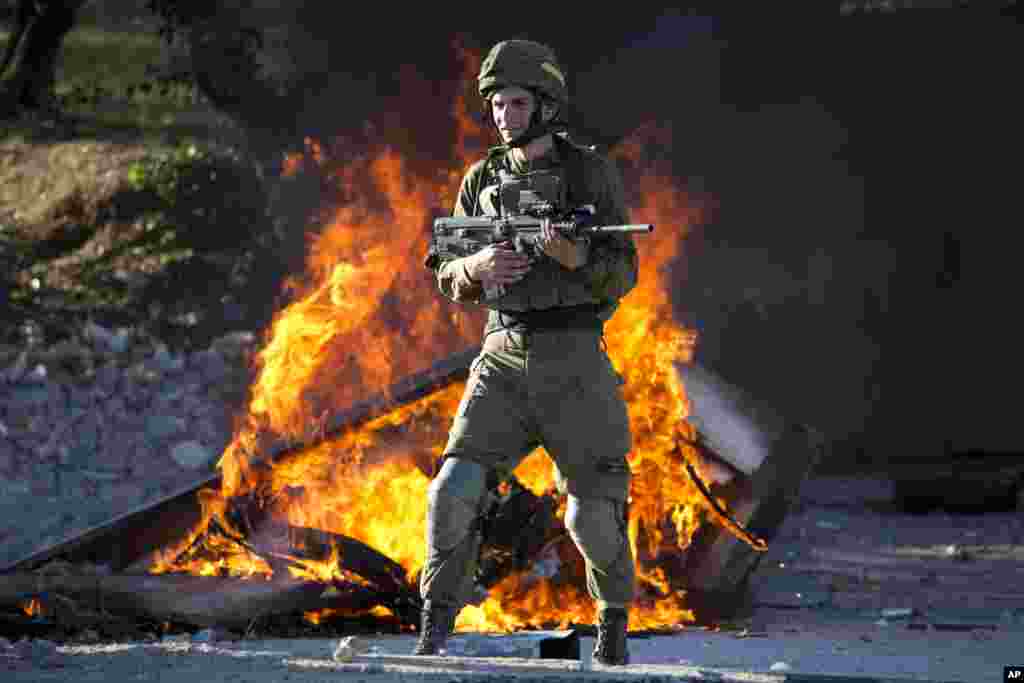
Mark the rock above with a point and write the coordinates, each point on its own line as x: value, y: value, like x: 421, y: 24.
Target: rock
x: 780, y: 666
x: 166, y: 362
x: 97, y: 336
x: 9, y: 490
x: 108, y: 377
x: 115, y: 407
x: 123, y: 495
x: 144, y: 373
x: 348, y: 647
x: 192, y: 455
x: 8, y: 460
x: 87, y: 433
x: 159, y: 427
x: 119, y: 341
x: 43, y: 480
x: 32, y: 395
x: 81, y: 398
x: 36, y: 376
x: 210, y: 365
x: 209, y: 432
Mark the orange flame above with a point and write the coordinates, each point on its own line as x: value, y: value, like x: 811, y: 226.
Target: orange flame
x: 33, y: 607
x: 366, y: 313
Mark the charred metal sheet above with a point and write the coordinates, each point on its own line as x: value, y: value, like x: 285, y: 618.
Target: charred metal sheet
x: 775, y: 456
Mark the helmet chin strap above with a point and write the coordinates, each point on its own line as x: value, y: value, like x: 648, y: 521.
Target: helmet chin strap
x: 537, y: 128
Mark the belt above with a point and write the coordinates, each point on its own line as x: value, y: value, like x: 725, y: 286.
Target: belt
x: 583, y: 317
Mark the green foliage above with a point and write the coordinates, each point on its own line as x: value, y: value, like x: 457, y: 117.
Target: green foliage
x: 163, y: 172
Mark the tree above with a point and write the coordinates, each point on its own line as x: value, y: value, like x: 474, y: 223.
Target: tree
x: 39, y: 32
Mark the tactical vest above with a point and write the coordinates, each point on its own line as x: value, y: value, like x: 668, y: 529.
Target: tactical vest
x: 500, y: 191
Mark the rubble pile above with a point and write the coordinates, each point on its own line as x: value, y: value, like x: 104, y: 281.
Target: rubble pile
x: 105, y: 421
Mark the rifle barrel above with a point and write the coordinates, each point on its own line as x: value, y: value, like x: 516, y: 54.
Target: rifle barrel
x: 470, y: 223
x: 630, y: 227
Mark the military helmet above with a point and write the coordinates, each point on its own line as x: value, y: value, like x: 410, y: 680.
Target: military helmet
x: 526, y: 64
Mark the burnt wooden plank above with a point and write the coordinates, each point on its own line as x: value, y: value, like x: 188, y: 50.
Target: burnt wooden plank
x: 199, y: 600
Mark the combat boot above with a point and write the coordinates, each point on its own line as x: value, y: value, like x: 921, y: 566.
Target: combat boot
x: 611, y: 648
x: 436, y: 623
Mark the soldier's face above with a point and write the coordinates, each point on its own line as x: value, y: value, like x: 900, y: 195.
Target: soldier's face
x: 512, y: 108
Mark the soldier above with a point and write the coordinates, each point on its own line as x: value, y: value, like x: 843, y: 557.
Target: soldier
x: 543, y: 376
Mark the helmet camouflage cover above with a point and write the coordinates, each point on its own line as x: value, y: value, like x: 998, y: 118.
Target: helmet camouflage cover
x: 526, y: 64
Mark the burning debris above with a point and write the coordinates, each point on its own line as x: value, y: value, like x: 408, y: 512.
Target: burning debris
x: 319, y: 506
x: 246, y: 561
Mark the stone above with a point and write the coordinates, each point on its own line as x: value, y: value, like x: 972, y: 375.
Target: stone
x: 115, y: 407
x: 111, y: 461
x: 192, y: 455
x: 99, y: 337
x: 37, y: 375
x: 170, y: 391
x: 80, y: 397
x: 210, y: 365
x: 120, y: 340
x: 32, y: 395
x: 349, y: 647
x: 8, y: 460
x: 87, y: 432
x: 10, y: 490
x: 43, y: 480
x: 166, y: 362
x: 74, y: 484
x: 123, y: 495
x: 13, y: 373
x: 159, y: 427
x: 210, y: 433
x: 108, y: 377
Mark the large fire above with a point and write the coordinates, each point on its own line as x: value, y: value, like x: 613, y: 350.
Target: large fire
x: 366, y: 312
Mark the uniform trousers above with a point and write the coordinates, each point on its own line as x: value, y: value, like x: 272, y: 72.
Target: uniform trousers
x: 529, y: 388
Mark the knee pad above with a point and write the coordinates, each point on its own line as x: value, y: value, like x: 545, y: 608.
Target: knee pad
x: 598, y: 526
x: 455, y: 500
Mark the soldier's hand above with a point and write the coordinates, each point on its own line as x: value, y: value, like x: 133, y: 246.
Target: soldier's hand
x: 497, y: 264
x: 571, y: 255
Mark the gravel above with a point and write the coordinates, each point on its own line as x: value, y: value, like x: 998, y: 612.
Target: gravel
x: 95, y: 426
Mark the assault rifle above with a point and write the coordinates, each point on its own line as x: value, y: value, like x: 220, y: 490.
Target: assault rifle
x: 462, y: 236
